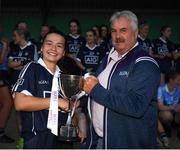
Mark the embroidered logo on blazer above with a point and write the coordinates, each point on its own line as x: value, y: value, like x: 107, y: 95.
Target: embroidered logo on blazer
x: 124, y: 73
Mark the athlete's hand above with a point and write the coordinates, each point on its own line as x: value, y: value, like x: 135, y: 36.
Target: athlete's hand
x: 82, y: 136
x: 63, y: 104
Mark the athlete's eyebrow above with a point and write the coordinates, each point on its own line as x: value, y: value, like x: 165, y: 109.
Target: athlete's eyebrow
x: 48, y: 41
x: 52, y: 42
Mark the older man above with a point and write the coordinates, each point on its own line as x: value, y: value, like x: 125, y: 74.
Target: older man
x: 124, y: 105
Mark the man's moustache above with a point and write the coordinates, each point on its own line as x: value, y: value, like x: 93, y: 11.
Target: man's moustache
x: 119, y: 40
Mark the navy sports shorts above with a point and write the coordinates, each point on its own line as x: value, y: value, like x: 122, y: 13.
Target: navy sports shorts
x: 42, y: 140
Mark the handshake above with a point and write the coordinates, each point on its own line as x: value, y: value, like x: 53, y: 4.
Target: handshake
x: 89, y: 82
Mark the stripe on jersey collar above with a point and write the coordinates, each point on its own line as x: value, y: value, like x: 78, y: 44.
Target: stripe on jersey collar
x: 28, y: 44
x: 164, y: 41
x: 91, y: 48
x: 74, y: 36
x: 41, y: 62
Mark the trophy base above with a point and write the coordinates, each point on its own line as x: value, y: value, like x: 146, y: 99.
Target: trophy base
x: 68, y: 134
x: 69, y: 139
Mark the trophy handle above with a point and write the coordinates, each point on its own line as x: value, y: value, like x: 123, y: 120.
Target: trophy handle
x: 76, y: 97
x: 71, y: 111
x: 69, y: 120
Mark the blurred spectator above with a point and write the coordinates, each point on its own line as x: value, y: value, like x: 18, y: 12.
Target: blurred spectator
x: 169, y: 102
x: 91, y: 54
x: 143, y: 39
x: 176, y: 56
x: 6, y: 101
x: 22, y: 25
x: 162, y: 51
x: 24, y: 53
x: 44, y: 30
x: 100, y: 38
x: 104, y: 32
x: 74, y: 40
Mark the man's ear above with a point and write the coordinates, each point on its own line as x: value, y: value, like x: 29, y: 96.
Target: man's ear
x: 136, y: 33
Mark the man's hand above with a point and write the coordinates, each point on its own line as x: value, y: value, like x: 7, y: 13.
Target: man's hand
x: 89, y: 83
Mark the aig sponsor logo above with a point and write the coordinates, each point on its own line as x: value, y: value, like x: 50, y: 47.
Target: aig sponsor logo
x: 91, y: 59
x: 43, y: 82
x: 124, y: 73
x: 74, y: 47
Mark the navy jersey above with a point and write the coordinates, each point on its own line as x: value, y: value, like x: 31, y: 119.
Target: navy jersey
x: 145, y: 43
x: 104, y: 47
x: 36, y: 80
x: 91, y: 57
x: 73, y: 44
x: 161, y: 47
x: 26, y: 54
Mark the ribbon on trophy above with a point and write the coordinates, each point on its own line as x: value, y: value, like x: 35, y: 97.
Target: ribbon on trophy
x: 53, y: 109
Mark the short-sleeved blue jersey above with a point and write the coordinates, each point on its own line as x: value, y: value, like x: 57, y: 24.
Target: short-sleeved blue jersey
x: 162, y: 48
x: 145, y: 43
x: 36, y: 80
x: 73, y: 44
x: 91, y: 57
x: 169, y: 98
x: 26, y: 54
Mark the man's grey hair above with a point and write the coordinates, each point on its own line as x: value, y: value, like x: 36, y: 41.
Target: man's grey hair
x: 127, y: 14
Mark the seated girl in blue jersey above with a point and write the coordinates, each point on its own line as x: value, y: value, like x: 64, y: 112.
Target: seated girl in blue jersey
x: 169, y: 101
x: 33, y: 95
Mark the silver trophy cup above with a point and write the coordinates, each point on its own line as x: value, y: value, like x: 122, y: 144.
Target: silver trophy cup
x: 70, y: 87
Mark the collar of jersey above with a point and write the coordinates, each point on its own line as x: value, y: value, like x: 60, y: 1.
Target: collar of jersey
x: 164, y: 41
x: 28, y: 43
x: 167, y: 90
x: 74, y: 36
x: 139, y: 36
x: 41, y: 62
x: 91, y: 48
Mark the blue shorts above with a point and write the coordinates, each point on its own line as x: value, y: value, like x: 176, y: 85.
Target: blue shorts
x: 42, y: 140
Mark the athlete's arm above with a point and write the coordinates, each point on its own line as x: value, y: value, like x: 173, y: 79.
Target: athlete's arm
x: 30, y: 103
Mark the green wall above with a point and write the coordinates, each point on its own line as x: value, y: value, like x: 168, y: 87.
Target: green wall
x: 87, y: 20
x: 156, y: 21
x: 10, y: 21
